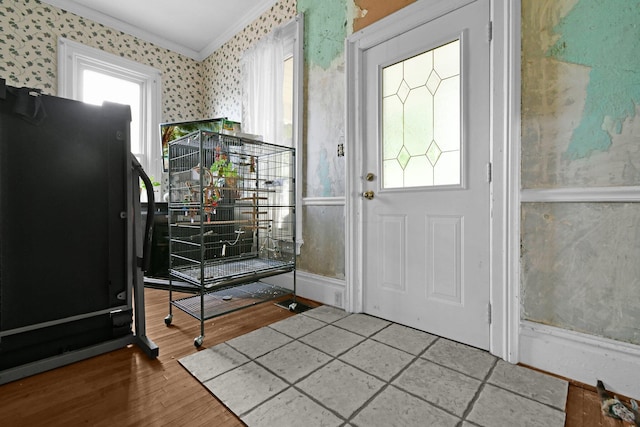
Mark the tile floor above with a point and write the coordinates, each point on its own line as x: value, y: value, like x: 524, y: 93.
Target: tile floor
x: 325, y: 367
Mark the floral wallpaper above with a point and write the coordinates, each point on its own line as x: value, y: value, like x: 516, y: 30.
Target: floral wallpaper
x: 223, y: 94
x: 29, y: 32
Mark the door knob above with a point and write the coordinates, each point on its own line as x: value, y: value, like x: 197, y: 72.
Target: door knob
x: 368, y: 195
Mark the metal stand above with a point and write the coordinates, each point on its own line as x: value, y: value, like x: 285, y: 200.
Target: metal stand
x: 141, y: 257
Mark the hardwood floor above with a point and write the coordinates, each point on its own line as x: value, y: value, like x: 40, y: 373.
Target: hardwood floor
x: 583, y: 408
x: 124, y: 387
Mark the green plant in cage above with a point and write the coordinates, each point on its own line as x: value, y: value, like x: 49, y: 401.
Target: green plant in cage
x: 224, y: 169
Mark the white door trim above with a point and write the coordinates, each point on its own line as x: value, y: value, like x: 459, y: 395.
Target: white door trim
x: 505, y: 119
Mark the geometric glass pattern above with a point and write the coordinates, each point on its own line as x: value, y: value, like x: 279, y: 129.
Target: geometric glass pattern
x: 421, y: 119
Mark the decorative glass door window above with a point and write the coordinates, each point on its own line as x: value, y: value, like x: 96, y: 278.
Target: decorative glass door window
x: 421, y: 138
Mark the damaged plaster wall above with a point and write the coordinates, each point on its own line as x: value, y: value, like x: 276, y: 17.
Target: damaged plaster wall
x: 323, y: 236
x: 370, y: 11
x: 327, y: 24
x: 580, y: 267
x: 325, y: 32
x: 580, y: 130
x: 579, y: 87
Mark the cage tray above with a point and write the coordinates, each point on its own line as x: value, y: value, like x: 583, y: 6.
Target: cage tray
x: 220, y: 271
x: 229, y: 299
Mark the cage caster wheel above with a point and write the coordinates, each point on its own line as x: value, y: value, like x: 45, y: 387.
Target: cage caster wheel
x: 197, y: 342
x: 168, y: 319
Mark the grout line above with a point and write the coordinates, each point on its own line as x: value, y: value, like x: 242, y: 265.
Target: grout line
x: 248, y: 411
x: 201, y: 380
x: 503, y: 388
x: 477, y: 395
x: 253, y: 358
x: 294, y: 385
x: 302, y: 378
x: 362, y: 339
x: 420, y: 356
x: 454, y: 369
x: 322, y: 405
x: 387, y: 384
x: 333, y: 359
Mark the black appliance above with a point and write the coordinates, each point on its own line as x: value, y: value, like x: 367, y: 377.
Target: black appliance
x: 157, y: 274
x: 159, y: 251
x: 70, y: 233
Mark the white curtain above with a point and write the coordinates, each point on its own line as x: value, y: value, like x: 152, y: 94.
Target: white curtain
x: 262, y: 114
x: 262, y: 76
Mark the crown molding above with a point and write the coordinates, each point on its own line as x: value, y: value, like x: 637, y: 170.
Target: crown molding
x: 253, y: 14
x: 117, y: 24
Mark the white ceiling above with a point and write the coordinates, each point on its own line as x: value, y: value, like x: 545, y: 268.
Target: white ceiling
x: 195, y: 28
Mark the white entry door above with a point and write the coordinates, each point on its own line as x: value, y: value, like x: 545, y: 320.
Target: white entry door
x: 426, y: 180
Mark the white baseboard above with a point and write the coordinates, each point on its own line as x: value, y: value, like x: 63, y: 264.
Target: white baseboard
x: 582, y: 357
x: 322, y: 289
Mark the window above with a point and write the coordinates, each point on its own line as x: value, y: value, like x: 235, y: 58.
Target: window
x: 272, y: 94
x: 94, y: 76
x: 421, y: 119
x: 287, y: 101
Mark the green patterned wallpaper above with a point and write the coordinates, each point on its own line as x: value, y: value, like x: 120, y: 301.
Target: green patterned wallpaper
x: 29, y: 32
x: 223, y: 94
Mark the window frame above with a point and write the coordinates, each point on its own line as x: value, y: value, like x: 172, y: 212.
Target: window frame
x: 74, y: 57
x: 295, y: 34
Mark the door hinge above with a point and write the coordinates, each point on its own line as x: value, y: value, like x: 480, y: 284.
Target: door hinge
x: 490, y: 31
x: 489, y: 313
x: 489, y: 172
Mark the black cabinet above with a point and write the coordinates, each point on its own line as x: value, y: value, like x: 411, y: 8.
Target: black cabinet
x: 66, y: 230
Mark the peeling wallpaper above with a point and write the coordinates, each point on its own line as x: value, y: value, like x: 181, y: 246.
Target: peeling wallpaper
x: 28, y: 54
x: 370, y: 11
x: 324, y: 130
x: 580, y: 129
x: 613, y: 89
x: 326, y: 26
x: 580, y: 93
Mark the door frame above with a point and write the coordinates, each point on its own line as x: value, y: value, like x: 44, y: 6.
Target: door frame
x: 504, y: 156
